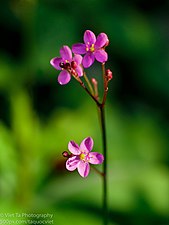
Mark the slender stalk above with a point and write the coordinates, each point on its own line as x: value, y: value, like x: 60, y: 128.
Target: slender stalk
x: 95, y: 86
x: 104, y: 142
x: 103, y: 72
x: 103, y: 129
x: 88, y: 83
x: 105, y: 95
x: 97, y: 171
x: 105, y: 84
x: 85, y: 88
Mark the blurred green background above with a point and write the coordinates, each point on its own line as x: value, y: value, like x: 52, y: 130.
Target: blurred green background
x: 38, y: 117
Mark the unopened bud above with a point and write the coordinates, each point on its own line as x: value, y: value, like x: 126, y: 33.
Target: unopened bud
x: 65, y: 154
x: 67, y: 65
x: 109, y: 74
x: 73, y: 64
x: 61, y: 64
x: 94, y: 81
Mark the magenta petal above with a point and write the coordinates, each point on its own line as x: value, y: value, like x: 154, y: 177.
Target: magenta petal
x: 83, y: 168
x: 78, y: 59
x: 79, y: 71
x: 86, y: 145
x: 74, y: 148
x: 55, y: 62
x: 72, y: 163
x: 88, y: 60
x: 101, y: 55
x: 95, y: 158
x: 89, y: 37
x: 79, y: 48
x: 64, y: 77
x: 101, y: 40
x: 66, y: 53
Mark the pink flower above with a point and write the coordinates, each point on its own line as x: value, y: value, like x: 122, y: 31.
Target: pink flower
x: 93, y: 48
x: 68, y: 64
x: 81, y: 156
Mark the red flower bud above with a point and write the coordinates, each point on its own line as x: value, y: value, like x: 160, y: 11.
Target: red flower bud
x: 94, y: 81
x: 65, y: 154
x: 61, y: 64
x: 74, y: 65
x: 67, y: 65
x: 109, y: 74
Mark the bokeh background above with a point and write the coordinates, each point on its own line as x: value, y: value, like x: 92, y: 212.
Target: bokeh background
x: 38, y: 117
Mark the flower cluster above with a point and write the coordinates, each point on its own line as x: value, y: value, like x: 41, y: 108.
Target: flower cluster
x: 81, y: 156
x: 72, y: 63
x: 92, y: 48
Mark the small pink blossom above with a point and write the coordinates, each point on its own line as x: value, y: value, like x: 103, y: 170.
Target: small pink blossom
x: 81, y: 156
x: 93, y: 48
x: 68, y: 64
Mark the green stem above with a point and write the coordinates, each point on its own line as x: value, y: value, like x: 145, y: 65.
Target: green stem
x: 103, y: 129
x: 88, y: 83
x: 97, y: 171
x: 85, y: 88
x: 105, y: 84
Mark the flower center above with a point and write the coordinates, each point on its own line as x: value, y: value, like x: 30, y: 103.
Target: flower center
x: 65, y: 65
x: 82, y: 156
x: 92, y: 48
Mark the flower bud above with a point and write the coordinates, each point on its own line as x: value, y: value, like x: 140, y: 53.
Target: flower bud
x: 61, y: 64
x: 94, y: 81
x: 109, y: 74
x: 74, y: 65
x: 67, y: 65
x: 65, y: 154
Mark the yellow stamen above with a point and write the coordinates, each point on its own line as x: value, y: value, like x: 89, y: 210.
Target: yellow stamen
x: 92, y: 48
x: 82, y: 156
